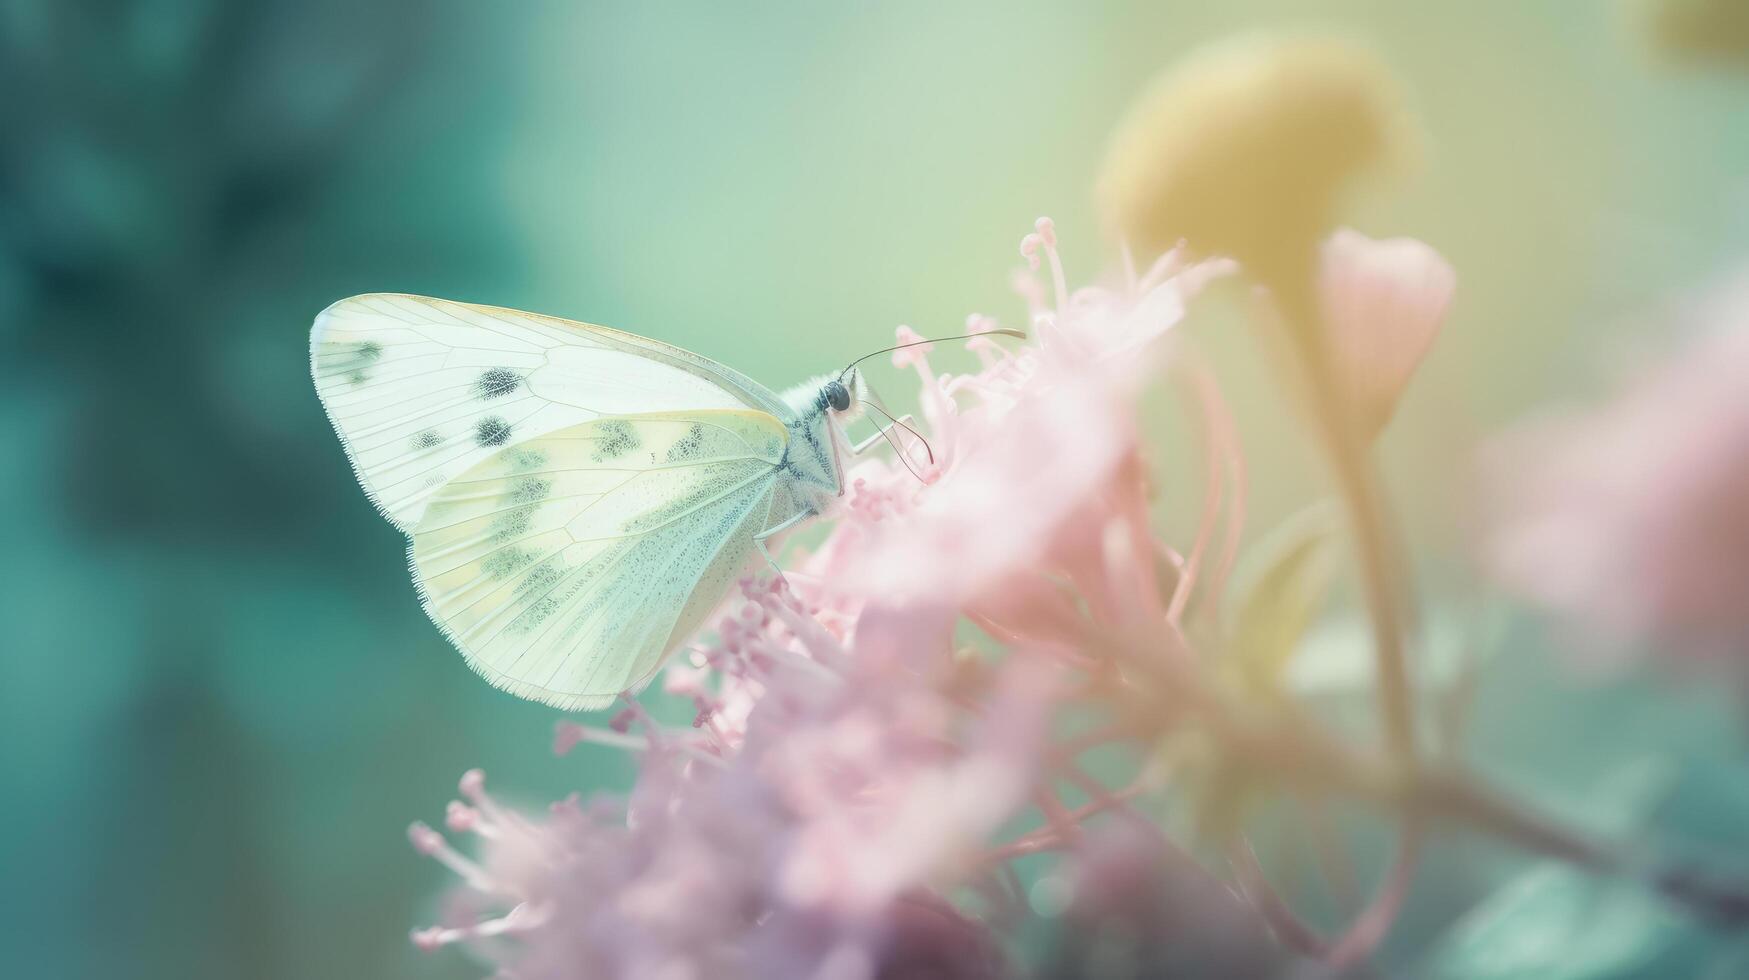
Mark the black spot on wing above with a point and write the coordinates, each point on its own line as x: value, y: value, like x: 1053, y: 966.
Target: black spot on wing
x: 542, y: 576
x: 351, y: 358
x: 496, y: 382
x: 530, y: 489
x: 537, y: 585
x: 614, y: 439
x: 511, y: 524
x: 687, y: 446
x: 426, y: 439
x: 492, y: 431
x: 506, y: 562
x: 522, y: 460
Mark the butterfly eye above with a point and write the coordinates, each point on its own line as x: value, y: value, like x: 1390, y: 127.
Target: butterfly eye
x: 837, y: 396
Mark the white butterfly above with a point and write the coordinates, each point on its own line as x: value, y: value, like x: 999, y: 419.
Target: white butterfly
x: 578, y: 498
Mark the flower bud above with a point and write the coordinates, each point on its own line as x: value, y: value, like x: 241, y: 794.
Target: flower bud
x: 1384, y: 302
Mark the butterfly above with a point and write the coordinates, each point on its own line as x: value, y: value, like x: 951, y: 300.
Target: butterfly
x: 578, y: 499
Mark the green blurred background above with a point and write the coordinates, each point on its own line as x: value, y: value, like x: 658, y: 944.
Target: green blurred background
x: 220, y: 703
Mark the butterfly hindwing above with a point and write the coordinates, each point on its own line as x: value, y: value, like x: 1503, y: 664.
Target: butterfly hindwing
x: 565, y: 566
x: 422, y: 390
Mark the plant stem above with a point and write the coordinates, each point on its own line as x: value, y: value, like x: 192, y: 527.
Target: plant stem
x: 1363, y: 498
x: 1299, y: 753
x: 1373, y: 543
x: 1296, y: 752
x: 1289, y: 928
x: 1372, y: 925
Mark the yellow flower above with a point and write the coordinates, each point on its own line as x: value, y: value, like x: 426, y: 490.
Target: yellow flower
x: 1697, y: 31
x: 1243, y: 150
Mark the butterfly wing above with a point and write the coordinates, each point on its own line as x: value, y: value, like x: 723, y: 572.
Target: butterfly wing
x: 565, y: 566
x: 422, y: 390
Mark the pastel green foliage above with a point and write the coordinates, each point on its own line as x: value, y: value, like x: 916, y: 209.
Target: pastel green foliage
x: 1556, y: 922
x: 1281, y: 594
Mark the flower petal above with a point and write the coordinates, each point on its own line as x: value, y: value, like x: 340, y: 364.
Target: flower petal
x: 1384, y: 302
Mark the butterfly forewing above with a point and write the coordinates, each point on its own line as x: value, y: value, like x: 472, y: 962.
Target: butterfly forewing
x: 421, y: 390
x: 566, y: 565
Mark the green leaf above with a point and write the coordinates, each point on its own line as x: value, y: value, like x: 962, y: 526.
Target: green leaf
x: 1282, y: 587
x: 1555, y: 921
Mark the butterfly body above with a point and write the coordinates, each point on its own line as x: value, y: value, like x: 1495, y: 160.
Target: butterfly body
x: 577, y: 499
x: 820, y: 407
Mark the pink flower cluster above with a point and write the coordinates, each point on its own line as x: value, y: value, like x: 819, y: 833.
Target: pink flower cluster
x: 882, y: 734
x: 1631, y: 520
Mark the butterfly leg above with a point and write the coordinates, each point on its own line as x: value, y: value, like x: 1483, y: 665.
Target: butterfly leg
x: 904, y: 422
x: 760, y: 539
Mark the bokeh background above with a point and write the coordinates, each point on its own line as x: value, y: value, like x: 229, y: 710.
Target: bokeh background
x: 220, y: 704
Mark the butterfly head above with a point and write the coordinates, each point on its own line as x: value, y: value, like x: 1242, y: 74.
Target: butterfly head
x: 840, y: 396
x: 836, y: 396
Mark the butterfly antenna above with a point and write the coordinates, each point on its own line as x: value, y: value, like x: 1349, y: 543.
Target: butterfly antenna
x: 1004, y: 331
x: 927, y: 450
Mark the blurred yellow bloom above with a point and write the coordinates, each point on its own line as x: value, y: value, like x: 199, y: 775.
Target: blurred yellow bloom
x: 1244, y: 149
x: 1707, y: 31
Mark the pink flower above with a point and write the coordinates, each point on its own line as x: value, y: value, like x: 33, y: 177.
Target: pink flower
x: 1384, y: 301
x: 1027, y: 476
x: 1632, y: 520
x: 854, y: 769
x: 1131, y: 885
x: 1040, y: 456
x: 805, y: 844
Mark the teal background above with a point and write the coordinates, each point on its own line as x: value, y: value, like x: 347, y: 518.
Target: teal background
x: 220, y: 703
